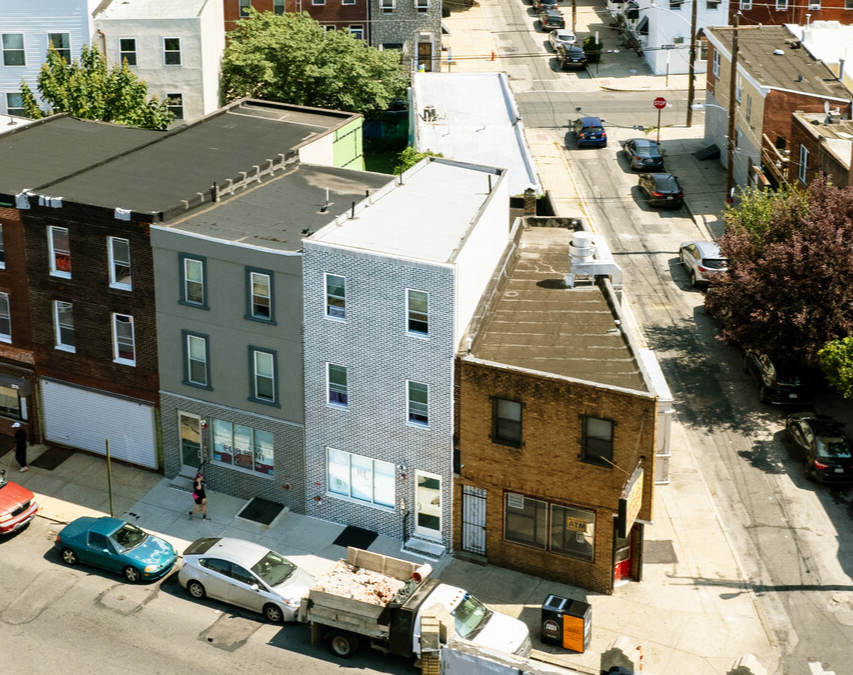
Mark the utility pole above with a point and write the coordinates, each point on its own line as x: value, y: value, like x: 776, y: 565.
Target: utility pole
x: 574, y: 15
x: 730, y: 160
x: 691, y: 85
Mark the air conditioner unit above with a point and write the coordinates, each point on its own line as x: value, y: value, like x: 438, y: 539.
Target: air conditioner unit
x: 814, y: 5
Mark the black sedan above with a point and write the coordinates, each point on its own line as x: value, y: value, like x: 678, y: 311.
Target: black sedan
x: 661, y: 189
x: 644, y: 154
x: 825, y: 450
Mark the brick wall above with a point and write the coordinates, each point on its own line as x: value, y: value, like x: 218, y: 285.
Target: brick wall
x: 93, y: 300
x: 767, y: 14
x: 287, y: 485
x: 332, y: 12
x: 548, y: 465
x: 778, y: 107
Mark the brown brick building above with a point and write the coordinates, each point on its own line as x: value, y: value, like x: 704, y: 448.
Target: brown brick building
x: 821, y: 143
x: 347, y: 15
x: 556, y: 423
x: 792, y: 11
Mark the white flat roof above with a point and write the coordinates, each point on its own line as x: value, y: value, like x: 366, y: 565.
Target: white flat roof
x: 426, y: 218
x: 477, y: 121
x: 826, y: 40
x: 8, y: 123
x: 152, y: 9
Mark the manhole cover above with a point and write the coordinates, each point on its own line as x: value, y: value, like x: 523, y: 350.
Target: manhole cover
x: 260, y: 511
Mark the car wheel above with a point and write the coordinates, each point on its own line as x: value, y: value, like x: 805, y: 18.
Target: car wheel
x: 762, y: 394
x: 69, y: 557
x: 132, y: 574
x: 693, y: 279
x: 196, y: 589
x: 807, y: 470
x: 273, y: 613
x: 343, y: 644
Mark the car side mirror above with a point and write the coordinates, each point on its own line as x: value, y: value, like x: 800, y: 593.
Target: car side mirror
x: 107, y: 551
x: 255, y: 587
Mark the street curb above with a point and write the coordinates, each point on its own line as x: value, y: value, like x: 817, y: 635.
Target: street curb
x: 700, y: 224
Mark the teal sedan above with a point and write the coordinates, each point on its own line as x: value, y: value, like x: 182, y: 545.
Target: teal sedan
x: 116, y: 546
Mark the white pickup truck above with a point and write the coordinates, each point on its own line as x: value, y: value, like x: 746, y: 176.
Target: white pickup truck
x: 378, y: 600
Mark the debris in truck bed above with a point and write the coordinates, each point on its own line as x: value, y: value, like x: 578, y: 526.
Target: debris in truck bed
x: 358, y: 583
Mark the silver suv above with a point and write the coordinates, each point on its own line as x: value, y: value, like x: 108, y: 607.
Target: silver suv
x: 701, y: 259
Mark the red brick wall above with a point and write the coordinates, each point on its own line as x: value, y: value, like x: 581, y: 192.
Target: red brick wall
x: 334, y: 12
x: 766, y: 13
x: 819, y: 159
x: 778, y: 107
x: 94, y: 301
x: 548, y: 465
x: 711, y: 80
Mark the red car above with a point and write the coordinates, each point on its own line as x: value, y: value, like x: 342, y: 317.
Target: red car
x: 17, y: 506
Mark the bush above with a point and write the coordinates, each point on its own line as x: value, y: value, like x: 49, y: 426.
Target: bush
x: 592, y: 49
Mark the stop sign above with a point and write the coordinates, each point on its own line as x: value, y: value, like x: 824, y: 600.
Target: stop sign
x: 660, y: 103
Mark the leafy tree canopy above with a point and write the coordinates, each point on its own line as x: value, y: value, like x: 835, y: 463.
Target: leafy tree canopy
x: 789, y: 289
x: 836, y: 362
x: 292, y: 59
x: 85, y: 88
x: 409, y: 157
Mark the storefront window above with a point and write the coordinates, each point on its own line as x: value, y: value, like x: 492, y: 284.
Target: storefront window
x: 222, y: 442
x: 572, y: 532
x: 526, y: 520
x: 568, y: 531
x: 362, y: 478
x: 243, y: 447
x: 10, y: 402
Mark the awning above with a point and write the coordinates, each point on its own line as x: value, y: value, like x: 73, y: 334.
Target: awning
x: 19, y: 383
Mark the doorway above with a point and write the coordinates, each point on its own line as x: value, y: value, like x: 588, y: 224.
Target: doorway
x: 473, y: 520
x: 425, y: 56
x: 190, y: 426
x: 428, y: 501
x: 622, y: 558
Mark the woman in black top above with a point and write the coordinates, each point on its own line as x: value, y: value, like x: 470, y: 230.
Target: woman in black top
x: 200, y: 497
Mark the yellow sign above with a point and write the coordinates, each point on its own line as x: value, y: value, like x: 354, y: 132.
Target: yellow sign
x: 632, y: 500
x: 576, y: 525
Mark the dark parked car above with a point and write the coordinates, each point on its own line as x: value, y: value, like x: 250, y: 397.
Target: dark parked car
x: 644, y: 154
x: 570, y: 56
x: 776, y: 383
x: 662, y: 189
x: 550, y: 19
x: 590, y: 132
x: 825, y: 450
x: 544, y: 4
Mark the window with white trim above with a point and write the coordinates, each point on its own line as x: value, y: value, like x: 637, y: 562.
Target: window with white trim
x: 318, y: 2
x: 337, y: 389
x: 196, y: 360
x: 5, y: 318
x: 242, y: 447
x: 278, y: 7
x: 15, y: 104
x: 175, y: 103
x: 422, y: 5
x: 13, y: 49
x: 848, y: 4
x: 678, y: 40
x: 675, y: 4
x: 738, y: 88
x: 748, y: 107
x: 193, y: 281
x: 336, y: 297
x: 360, y: 478
x: 119, y: 255
x: 172, y: 51
x: 124, y: 346
x: 127, y: 51
x: 417, y: 398
x: 357, y: 32
x: 329, y: 28
x: 711, y: 4
x: 387, y: 5
x: 264, y: 385
x: 417, y: 312
x: 716, y: 66
x: 260, y: 295
x: 63, y: 326
x: 803, y: 166
x: 781, y: 4
x: 61, y: 42
x: 244, y: 7
x: 347, y: 2
x: 746, y: 5
x: 553, y: 527
x: 60, y: 252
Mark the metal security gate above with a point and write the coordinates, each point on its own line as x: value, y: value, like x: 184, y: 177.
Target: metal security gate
x: 473, y: 519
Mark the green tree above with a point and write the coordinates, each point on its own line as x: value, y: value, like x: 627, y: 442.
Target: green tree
x: 85, y: 88
x: 409, y: 157
x: 836, y: 362
x: 789, y: 288
x: 292, y: 59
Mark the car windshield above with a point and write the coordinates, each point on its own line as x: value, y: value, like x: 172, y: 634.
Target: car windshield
x: 128, y: 536
x: 273, y: 569
x: 714, y: 263
x: 666, y: 184
x: 471, y: 615
x: 593, y: 130
x: 833, y: 448
x: 646, y: 149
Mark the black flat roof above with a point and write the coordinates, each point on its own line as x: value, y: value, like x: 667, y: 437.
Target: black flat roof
x: 60, y: 146
x: 273, y: 214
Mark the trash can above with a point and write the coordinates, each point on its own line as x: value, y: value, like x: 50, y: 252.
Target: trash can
x: 566, y: 623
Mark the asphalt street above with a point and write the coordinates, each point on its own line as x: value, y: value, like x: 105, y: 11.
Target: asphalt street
x: 79, y: 621
x: 794, y: 538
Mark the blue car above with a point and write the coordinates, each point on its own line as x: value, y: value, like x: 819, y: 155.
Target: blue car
x: 589, y: 132
x: 117, y: 546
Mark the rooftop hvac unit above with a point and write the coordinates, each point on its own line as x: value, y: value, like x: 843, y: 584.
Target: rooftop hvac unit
x: 589, y: 257
x: 430, y: 114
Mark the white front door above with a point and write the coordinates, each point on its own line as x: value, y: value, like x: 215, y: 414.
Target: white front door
x: 190, y: 430
x: 428, y: 502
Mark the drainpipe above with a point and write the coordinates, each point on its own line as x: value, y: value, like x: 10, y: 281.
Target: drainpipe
x: 102, y: 45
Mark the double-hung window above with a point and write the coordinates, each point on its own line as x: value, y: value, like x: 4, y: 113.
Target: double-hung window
x: 264, y: 387
x: 243, y: 447
x: 676, y: 4
x: 127, y: 51
x: 5, y: 319
x: 60, y: 252
x: 119, y: 255
x: 175, y: 103
x: 13, y: 49
x: 417, y: 399
x: 259, y: 295
x: 803, y: 167
x: 278, y: 7
x: 193, y: 281
x: 360, y: 478
x: 506, y: 422
x: 781, y: 4
x: 746, y: 5
x: 336, y: 297
x: 597, y: 444
x: 15, y: 104
x: 244, y: 7
x: 716, y: 65
x: 417, y: 312
x: 124, y: 347
x: 63, y: 326
x: 337, y: 391
x: 171, y: 51
x: 61, y: 42
x: 357, y: 32
x: 196, y: 360
x: 848, y: 4
x: 387, y: 5
x: 422, y: 5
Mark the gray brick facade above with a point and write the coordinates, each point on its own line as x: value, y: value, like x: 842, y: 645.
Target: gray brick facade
x: 380, y: 357
x: 284, y: 487
x: 406, y: 25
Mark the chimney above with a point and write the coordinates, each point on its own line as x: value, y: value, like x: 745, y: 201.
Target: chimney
x: 530, y: 202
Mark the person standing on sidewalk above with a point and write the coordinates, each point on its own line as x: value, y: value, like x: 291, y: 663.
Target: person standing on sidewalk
x: 200, y: 497
x: 21, y: 446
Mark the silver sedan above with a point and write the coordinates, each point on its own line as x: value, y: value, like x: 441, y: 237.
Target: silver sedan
x: 561, y: 36
x: 245, y: 574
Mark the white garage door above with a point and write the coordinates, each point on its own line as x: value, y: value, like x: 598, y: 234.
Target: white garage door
x: 84, y: 419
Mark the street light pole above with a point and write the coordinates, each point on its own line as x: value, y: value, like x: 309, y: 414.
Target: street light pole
x: 691, y: 86
x: 730, y: 158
